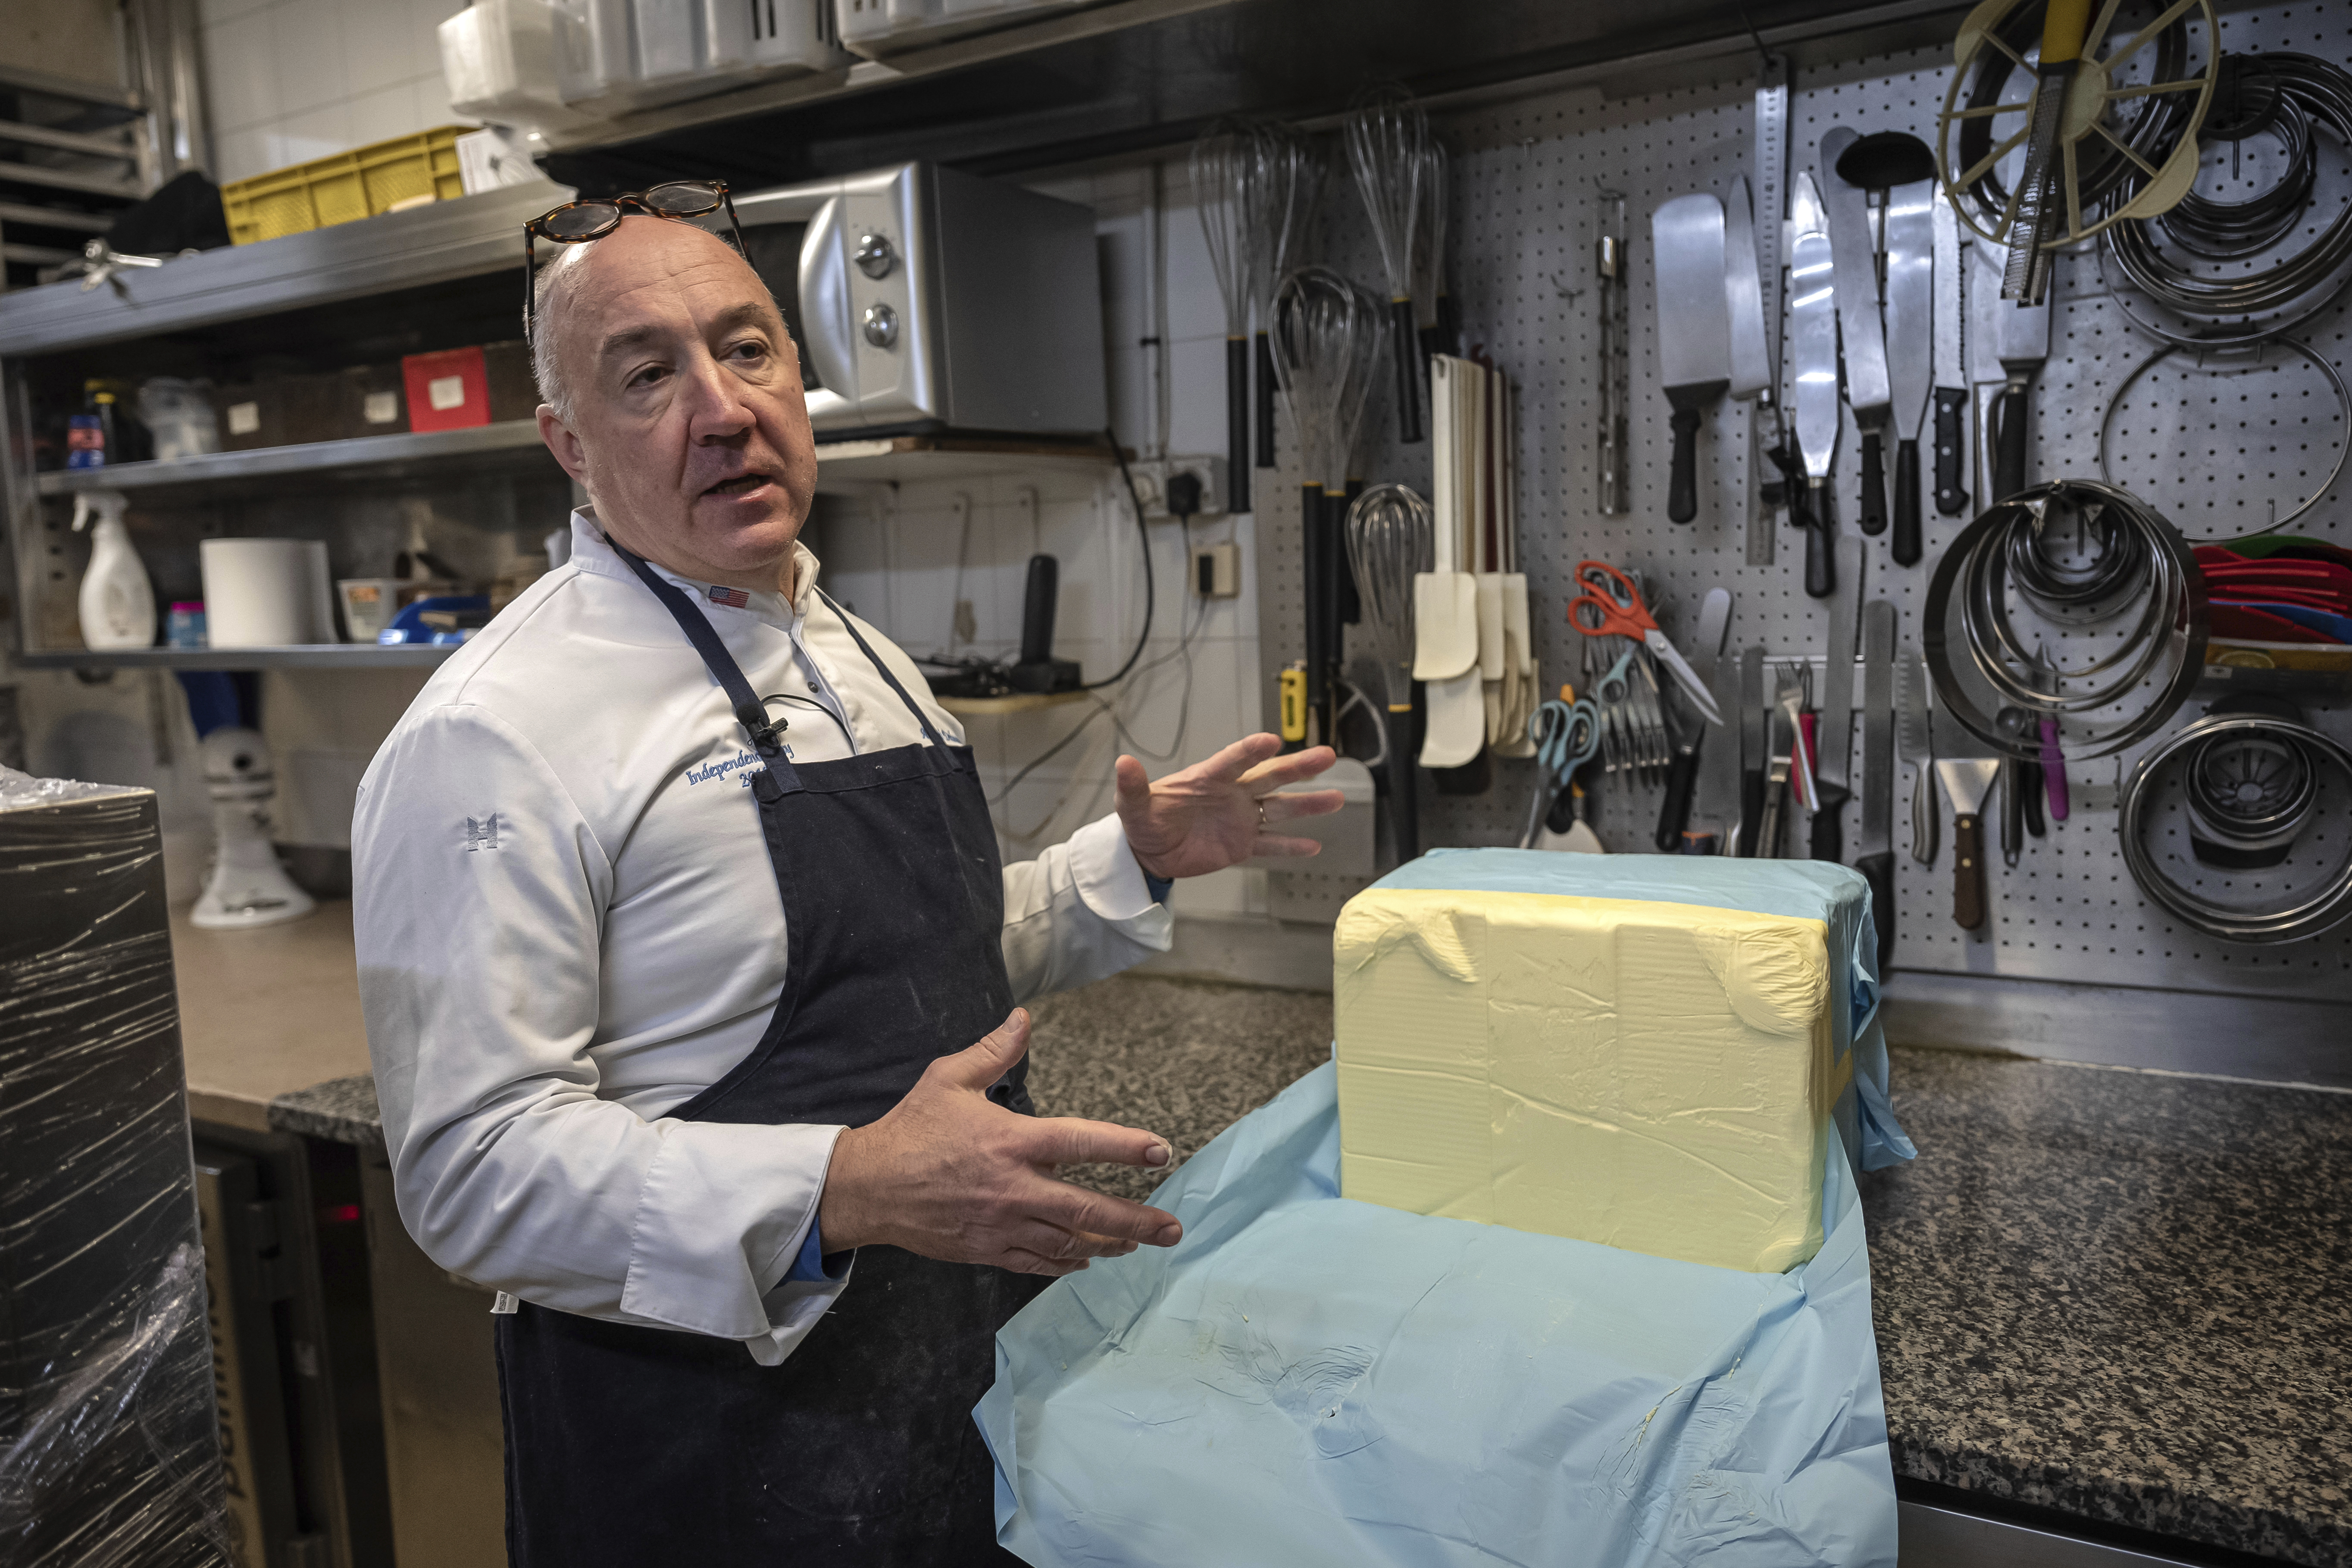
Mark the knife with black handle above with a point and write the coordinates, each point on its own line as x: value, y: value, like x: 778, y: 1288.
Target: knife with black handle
x: 1833, y: 736
x: 1876, y: 861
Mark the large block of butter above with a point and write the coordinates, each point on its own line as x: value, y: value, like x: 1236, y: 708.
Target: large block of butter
x: 1650, y: 1073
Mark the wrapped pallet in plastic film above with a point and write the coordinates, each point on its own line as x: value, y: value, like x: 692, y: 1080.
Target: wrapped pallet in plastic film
x: 110, y: 1451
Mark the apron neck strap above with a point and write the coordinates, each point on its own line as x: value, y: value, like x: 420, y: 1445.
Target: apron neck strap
x: 749, y: 711
x: 913, y: 706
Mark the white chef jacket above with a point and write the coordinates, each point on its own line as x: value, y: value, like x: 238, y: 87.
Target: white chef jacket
x: 567, y: 925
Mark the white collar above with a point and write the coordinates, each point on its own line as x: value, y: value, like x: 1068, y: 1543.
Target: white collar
x: 591, y: 551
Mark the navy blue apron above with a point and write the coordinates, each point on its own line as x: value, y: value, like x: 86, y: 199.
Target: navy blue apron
x: 648, y: 1446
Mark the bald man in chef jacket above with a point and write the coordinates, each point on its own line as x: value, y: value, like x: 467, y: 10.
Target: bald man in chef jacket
x: 691, y: 977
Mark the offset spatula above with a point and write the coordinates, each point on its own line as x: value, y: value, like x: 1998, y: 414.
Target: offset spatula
x: 1910, y: 332
x: 1812, y: 370
x: 1967, y: 781
x: 1694, y: 328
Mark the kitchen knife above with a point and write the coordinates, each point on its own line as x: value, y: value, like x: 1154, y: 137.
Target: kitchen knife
x: 1847, y: 208
x: 1876, y: 861
x: 1690, y: 740
x: 1743, y: 293
x: 1714, y: 806
x: 1751, y: 748
x: 1950, y: 372
x: 1813, y: 374
x: 1910, y: 332
x: 1834, y: 735
x: 1694, y: 328
x: 1986, y: 375
x: 1918, y: 749
x: 1966, y: 781
x: 2024, y: 345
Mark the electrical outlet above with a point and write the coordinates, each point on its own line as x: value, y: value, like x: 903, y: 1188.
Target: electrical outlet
x: 1154, y: 481
x: 1217, y: 571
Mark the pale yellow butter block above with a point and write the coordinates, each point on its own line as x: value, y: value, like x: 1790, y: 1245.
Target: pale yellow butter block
x: 1652, y: 1075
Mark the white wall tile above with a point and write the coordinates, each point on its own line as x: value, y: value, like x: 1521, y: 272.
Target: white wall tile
x: 211, y: 11
x: 379, y: 50
x: 315, y: 133
x: 244, y: 153
x: 309, y: 40
x: 1196, y: 403
x: 383, y: 114
x: 240, y: 70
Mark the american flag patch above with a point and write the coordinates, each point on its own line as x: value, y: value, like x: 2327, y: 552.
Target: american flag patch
x: 734, y: 599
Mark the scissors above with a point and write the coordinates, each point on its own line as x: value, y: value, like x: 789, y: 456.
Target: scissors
x: 1615, y: 609
x: 1567, y: 736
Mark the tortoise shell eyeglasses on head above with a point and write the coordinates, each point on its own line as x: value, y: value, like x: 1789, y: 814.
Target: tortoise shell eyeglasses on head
x: 576, y: 223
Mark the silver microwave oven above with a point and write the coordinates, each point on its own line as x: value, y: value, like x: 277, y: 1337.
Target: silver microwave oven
x: 923, y: 298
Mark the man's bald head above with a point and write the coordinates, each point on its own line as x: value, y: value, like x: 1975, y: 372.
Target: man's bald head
x: 673, y: 393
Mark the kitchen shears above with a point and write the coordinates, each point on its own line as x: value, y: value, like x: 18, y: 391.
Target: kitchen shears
x: 1610, y: 606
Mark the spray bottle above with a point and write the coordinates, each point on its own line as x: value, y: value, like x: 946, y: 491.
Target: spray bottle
x: 117, y: 603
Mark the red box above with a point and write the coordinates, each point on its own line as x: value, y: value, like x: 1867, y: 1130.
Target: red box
x: 446, y: 391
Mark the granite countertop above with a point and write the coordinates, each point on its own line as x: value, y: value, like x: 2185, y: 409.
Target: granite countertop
x: 2124, y: 1296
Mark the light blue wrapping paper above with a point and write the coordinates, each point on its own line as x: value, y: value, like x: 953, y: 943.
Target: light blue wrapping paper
x: 1304, y: 1380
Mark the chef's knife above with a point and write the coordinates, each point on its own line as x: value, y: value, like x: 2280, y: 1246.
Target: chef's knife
x: 1813, y: 373
x: 1834, y: 735
x: 1986, y: 376
x: 1848, y: 211
x: 2024, y: 345
x: 1966, y: 781
x: 1876, y: 861
x: 1919, y: 751
x: 1950, y: 373
x: 1910, y: 331
x: 1743, y: 293
x: 1714, y: 806
x: 1689, y: 739
x: 1751, y: 748
x: 1694, y: 328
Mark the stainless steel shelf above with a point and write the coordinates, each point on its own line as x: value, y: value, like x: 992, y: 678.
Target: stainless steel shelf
x: 850, y: 466
x: 865, y: 75
x: 431, y: 244
x: 842, y: 466
x: 514, y: 443
x: 301, y: 655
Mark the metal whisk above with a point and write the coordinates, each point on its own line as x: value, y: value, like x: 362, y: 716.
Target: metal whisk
x: 1440, y: 332
x: 1391, y: 536
x: 1326, y: 333
x: 1283, y: 187
x: 1388, y: 143
x: 1221, y: 166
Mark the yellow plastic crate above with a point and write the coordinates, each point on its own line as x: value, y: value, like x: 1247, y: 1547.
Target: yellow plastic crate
x: 359, y: 184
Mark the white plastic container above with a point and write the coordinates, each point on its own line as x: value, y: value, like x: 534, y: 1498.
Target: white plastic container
x: 267, y: 593
x: 875, y: 28
x: 613, y: 55
x: 497, y: 60
x: 117, y: 602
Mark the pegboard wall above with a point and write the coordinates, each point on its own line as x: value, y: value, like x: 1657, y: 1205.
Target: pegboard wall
x: 2211, y: 448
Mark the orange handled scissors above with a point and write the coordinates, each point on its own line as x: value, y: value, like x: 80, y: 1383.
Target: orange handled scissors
x: 1610, y: 606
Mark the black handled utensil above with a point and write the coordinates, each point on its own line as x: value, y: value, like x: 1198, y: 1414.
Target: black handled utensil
x: 1694, y: 321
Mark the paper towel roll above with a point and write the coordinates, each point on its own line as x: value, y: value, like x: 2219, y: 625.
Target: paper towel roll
x: 267, y: 593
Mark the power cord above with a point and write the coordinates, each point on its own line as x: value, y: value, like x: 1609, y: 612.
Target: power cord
x: 1143, y: 534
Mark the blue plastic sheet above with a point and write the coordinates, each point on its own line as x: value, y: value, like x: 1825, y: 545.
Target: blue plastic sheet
x: 1306, y: 1379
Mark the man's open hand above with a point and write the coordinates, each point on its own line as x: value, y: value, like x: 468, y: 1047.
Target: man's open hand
x: 951, y: 1174
x: 1219, y: 813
